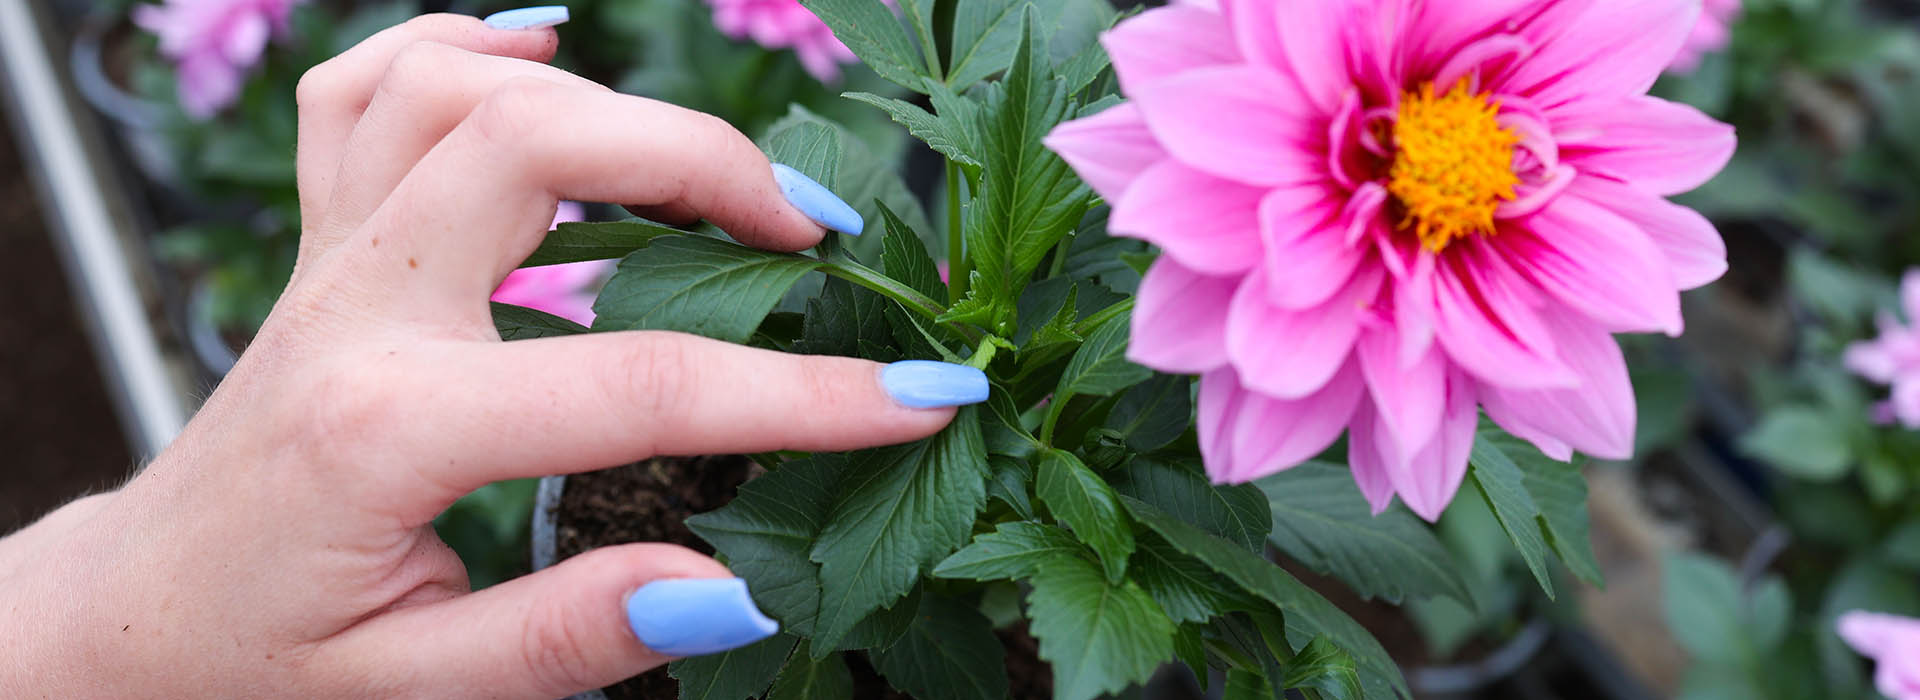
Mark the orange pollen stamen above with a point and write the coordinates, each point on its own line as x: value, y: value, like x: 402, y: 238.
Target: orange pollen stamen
x: 1452, y: 165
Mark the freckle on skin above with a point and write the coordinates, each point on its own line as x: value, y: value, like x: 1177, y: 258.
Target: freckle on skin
x: 376, y: 242
x: 413, y: 263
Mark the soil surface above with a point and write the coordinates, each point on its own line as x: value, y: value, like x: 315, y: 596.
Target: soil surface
x: 62, y: 437
x: 650, y: 501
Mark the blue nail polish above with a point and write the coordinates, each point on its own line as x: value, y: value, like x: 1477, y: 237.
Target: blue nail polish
x: 528, y: 17
x: 695, y: 616
x: 928, y: 384
x: 819, y: 204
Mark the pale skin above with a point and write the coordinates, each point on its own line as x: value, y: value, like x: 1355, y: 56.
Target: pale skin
x: 282, y: 546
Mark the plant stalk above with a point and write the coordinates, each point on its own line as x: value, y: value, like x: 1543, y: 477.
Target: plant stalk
x: 959, y: 267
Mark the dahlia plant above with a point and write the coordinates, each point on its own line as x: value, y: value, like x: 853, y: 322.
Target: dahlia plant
x: 1376, y: 218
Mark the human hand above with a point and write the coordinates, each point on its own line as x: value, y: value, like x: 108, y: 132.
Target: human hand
x: 283, y: 544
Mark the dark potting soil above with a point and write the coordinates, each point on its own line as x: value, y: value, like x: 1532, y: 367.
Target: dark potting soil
x: 650, y: 501
x: 64, y: 440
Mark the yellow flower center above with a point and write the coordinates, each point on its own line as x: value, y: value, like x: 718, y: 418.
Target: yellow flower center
x: 1453, y: 164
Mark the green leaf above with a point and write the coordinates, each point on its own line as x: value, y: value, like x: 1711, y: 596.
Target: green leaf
x: 1099, y: 636
x: 848, y: 321
x: 807, y: 143
x: 1802, y: 442
x: 1028, y: 199
x: 941, y: 133
x: 836, y: 157
x: 1182, y: 585
x: 1902, y: 546
x: 1100, y: 367
x: 807, y: 678
x: 1308, y: 615
x: 949, y: 653
x: 1709, y: 613
x: 904, y: 257
x: 766, y: 532
x: 883, y: 627
x: 1326, y: 667
x: 986, y: 33
x: 522, y: 323
x: 1247, y: 685
x: 1011, y: 476
x: 579, y: 242
x: 733, y: 675
x: 1015, y: 550
x: 1321, y: 520
x: 902, y: 510
x: 1084, y: 501
x: 697, y: 285
x: 1561, y: 492
x: 1150, y: 415
x: 1237, y: 513
x: 875, y: 35
x: 1496, y: 470
x: 1191, y: 648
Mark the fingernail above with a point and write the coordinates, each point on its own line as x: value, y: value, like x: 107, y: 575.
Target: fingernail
x: 695, y: 616
x: 819, y: 204
x: 528, y: 17
x: 928, y: 384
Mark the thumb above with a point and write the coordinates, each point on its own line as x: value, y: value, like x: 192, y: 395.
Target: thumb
x: 588, y: 622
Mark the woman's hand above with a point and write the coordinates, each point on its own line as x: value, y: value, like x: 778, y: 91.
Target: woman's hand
x: 283, y: 544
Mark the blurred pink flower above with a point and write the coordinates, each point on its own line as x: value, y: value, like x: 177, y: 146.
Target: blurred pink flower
x: 565, y: 290
x: 1893, y: 642
x: 1382, y: 216
x: 212, y: 43
x: 1710, y: 34
x: 784, y: 24
x: 1894, y: 357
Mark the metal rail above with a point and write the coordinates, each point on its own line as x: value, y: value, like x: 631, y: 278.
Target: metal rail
x: 69, y: 172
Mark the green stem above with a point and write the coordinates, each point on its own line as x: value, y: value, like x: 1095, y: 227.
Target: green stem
x: 1054, y: 410
x: 1060, y: 256
x: 891, y: 288
x: 983, y: 355
x: 959, y: 268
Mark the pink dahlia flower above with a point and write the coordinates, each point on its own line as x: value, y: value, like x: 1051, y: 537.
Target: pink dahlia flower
x: 1894, y: 357
x: 1893, y: 642
x: 1710, y: 34
x: 784, y: 24
x: 1381, y: 216
x: 212, y: 44
x: 565, y: 290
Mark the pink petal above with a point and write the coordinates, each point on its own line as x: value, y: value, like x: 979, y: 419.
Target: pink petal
x: 1208, y: 224
x: 1167, y: 41
x: 1409, y: 398
x: 1596, y: 418
x: 1593, y: 260
x: 1661, y: 147
x: 1871, y: 360
x: 1695, y: 252
x: 1311, y: 38
x: 1872, y: 633
x: 1237, y: 122
x: 1109, y: 149
x: 1256, y: 29
x: 1486, y: 322
x: 1218, y: 409
x: 1271, y: 435
x: 1180, y: 319
x: 1307, y: 255
x: 1910, y: 293
x: 246, y: 37
x: 1438, y: 30
x: 1364, y: 459
x: 1906, y: 400
x: 1290, y: 354
x: 1427, y: 479
x: 1615, y: 48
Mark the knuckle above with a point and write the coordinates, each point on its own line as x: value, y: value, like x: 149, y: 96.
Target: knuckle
x: 513, y: 111
x: 419, y: 67
x: 658, y: 377
x: 353, y: 403
x: 556, y: 650
x: 320, y: 86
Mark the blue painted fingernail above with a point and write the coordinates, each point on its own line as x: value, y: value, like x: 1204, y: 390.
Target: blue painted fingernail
x: 695, y: 616
x: 928, y: 384
x: 529, y: 17
x: 819, y: 204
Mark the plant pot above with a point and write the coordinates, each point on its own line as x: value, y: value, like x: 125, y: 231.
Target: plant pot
x: 210, y: 346
x: 136, y: 120
x: 1467, y: 680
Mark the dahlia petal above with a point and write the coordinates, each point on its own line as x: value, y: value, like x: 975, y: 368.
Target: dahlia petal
x: 1214, y: 417
x: 1409, y: 398
x: 1661, y: 147
x: 1168, y: 41
x: 1108, y: 150
x: 1906, y: 400
x: 1486, y: 323
x: 1413, y: 306
x: 1180, y: 319
x: 246, y: 39
x: 1427, y: 480
x: 1910, y: 294
x: 1256, y: 30
x: 1872, y: 360
x: 1369, y: 468
x: 1596, y: 418
x: 1237, y: 122
x: 1271, y: 435
x: 1312, y: 40
x: 1695, y: 253
x: 1439, y: 29
x: 1209, y: 225
x: 1290, y: 354
x: 1598, y: 262
x: 1615, y: 48
x: 1308, y: 258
